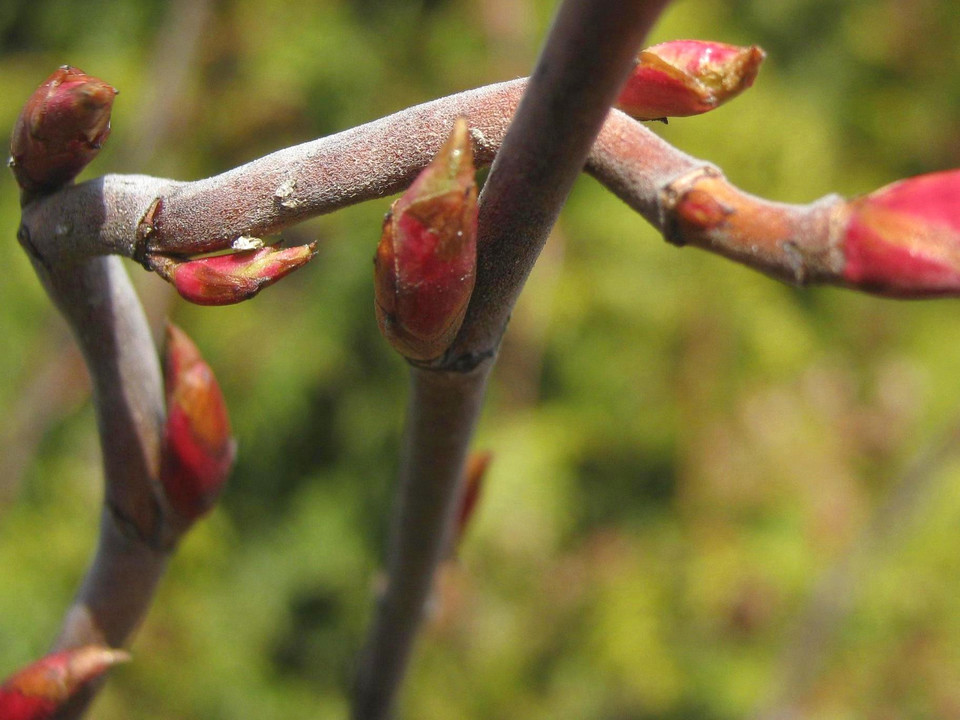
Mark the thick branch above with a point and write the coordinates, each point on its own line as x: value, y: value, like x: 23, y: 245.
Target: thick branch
x: 101, y: 216
x: 101, y: 307
x: 271, y: 193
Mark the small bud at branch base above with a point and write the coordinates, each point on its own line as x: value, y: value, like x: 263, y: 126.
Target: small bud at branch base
x: 37, y: 691
x: 687, y: 77
x: 903, y: 240
x: 474, y: 475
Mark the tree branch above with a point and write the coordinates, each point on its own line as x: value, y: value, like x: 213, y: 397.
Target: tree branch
x: 587, y: 57
x: 101, y: 216
x: 687, y: 199
x: 102, y: 309
x: 586, y: 60
x: 443, y: 410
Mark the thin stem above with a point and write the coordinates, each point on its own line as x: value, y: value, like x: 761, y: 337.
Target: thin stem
x: 441, y: 418
x: 587, y: 56
x: 103, y: 311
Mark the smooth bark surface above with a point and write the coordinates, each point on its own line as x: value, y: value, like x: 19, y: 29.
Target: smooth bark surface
x: 587, y: 57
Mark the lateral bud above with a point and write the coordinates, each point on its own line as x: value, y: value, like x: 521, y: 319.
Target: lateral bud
x: 473, y: 480
x: 233, y: 278
x: 687, y: 77
x: 425, y: 265
x: 39, y: 690
x: 198, y: 449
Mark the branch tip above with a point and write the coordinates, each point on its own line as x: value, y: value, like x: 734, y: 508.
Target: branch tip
x: 60, y: 129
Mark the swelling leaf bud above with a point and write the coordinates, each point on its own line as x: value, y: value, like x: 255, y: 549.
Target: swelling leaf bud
x: 233, y: 278
x: 198, y: 449
x: 39, y: 690
x: 425, y: 266
x: 60, y: 129
x: 687, y: 77
x: 903, y: 240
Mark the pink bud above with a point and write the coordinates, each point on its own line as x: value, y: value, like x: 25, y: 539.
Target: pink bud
x: 198, y: 450
x: 425, y: 265
x: 37, y: 691
x: 687, y: 77
x: 233, y: 278
x: 60, y: 129
x: 903, y: 240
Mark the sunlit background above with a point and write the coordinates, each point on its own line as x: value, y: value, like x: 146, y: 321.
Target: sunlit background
x: 713, y: 496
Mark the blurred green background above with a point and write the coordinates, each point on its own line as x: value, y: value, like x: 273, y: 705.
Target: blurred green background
x: 713, y: 496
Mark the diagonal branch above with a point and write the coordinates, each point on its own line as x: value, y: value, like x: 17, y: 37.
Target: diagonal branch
x: 443, y: 410
x: 586, y: 59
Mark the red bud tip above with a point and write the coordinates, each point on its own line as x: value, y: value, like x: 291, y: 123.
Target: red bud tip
x: 688, y: 77
x: 477, y: 465
x: 233, y: 278
x: 903, y: 240
x: 40, y: 689
x: 425, y: 265
x: 60, y: 129
x: 198, y: 449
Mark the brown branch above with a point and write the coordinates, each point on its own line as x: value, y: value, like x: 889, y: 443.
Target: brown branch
x: 586, y: 59
x: 374, y: 160
x: 98, y: 301
x: 271, y: 193
x: 443, y: 410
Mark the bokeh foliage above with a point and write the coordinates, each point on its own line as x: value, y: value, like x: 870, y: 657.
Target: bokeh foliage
x: 691, y: 458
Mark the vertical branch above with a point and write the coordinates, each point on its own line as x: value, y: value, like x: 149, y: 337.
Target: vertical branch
x: 103, y: 311
x: 586, y: 59
x: 440, y: 421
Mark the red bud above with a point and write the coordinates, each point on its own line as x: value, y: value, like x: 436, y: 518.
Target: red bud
x: 40, y: 689
x: 903, y: 240
x: 477, y: 465
x: 198, y: 448
x: 425, y: 265
x: 688, y: 77
x: 233, y: 278
x: 60, y: 129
